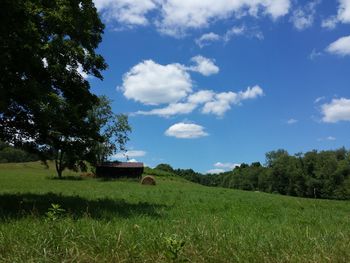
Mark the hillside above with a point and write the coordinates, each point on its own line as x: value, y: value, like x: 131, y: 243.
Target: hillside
x: 123, y: 221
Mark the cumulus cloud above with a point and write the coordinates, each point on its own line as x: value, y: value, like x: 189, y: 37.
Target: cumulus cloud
x: 343, y: 15
x: 335, y: 111
x: 170, y: 110
x: 340, y: 47
x: 227, y: 166
x: 303, y: 18
x: 179, y: 16
x: 153, y: 84
x: 344, y: 11
x: 201, y: 96
x: 211, y: 102
x: 126, y: 12
x: 174, y: 17
x: 204, y: 66
x: 186, y: 131
x: 129, y: 154
x: 207, y: 39
x: 222, y: 101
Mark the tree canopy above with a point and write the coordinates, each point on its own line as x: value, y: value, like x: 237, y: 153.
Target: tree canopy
x: 46, y: 47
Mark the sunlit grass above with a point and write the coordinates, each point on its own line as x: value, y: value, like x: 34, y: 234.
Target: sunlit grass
x: 123, y: 221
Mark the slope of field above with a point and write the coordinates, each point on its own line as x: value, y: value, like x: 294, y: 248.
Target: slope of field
x: 123, y: 221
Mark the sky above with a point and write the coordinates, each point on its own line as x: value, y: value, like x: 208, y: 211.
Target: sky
x: 209, y: 85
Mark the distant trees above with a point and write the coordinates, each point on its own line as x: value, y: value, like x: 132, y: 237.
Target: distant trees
x: 10, y: 154
x: 324, y: 174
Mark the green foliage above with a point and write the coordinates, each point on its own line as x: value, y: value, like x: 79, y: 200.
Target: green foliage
x: 10, y: 154
x: 174, y: 245
x: 165, y: 167
x: 157, y: 172
x: 44, y: 99
x: 54, y: 212
x: 323, y: 174
x: 122, y: 221
x: 113, y: 128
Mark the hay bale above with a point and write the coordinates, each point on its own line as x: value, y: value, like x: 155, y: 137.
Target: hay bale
x: 148, y: 180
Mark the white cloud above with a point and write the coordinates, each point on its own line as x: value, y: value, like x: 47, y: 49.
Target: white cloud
x: 215, y: 171
x: 242, y: 30
x: 204, y: 66
x: 129, y: 154
x: 176, y: 17
x: 82, y: 72
x: 343, y: 15
x: 206, y: 39
x: 221, y: 103
x: 344, y: 11
x: 153, y: 84
x: 186, y: 131
x: 330, y: 23
x: 170, y: 110
x: 303, y: 18
x: 126, y: 12
x: 179, y: 16
x: 251, y: 93
x: 292, y: 121
x: 234, y: 31
x: 132, y: 161
x: 201, y: 96
x: 337, y: 110
x: 213, y: 103
x: 226, y: 166
x: 340, y: 47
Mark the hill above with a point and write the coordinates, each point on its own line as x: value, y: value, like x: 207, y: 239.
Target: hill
x: 176, y: 220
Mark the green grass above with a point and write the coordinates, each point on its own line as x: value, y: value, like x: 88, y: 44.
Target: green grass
x: 123, y: 221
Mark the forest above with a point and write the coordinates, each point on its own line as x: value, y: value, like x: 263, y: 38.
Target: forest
x: 314, y: 174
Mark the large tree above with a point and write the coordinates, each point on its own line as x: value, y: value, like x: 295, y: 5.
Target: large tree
x: 46, y: 46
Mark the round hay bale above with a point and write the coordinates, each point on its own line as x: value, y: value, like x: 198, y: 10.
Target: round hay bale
x: 148, y: 180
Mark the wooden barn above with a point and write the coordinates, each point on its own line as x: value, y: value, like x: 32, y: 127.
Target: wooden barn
x: 120, y: 170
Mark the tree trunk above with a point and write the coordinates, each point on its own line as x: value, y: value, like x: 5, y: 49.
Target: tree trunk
x: 59, y: 164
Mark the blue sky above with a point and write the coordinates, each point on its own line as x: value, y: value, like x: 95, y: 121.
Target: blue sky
x: 210, y: 84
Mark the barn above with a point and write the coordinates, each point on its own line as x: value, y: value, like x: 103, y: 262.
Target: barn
x: 119, y: 170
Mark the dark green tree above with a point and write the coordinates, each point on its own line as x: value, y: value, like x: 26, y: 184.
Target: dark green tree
x: 45, y: 46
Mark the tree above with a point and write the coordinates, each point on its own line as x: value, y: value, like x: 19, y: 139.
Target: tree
x: 165, y: 167
x: 113, y: 128
x: 46, y: 46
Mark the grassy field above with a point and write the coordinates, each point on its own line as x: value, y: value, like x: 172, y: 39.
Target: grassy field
x: 123, y: 221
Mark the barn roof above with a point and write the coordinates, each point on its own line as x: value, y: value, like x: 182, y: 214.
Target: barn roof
x: 122, y: 165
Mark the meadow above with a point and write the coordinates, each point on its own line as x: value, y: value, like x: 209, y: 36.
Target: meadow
x: 174, y: 221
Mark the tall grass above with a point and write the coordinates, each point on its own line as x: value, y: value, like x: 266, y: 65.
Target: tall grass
x: 122, y: 221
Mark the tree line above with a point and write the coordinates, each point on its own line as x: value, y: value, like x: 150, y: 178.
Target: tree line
x: 314, y: 174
